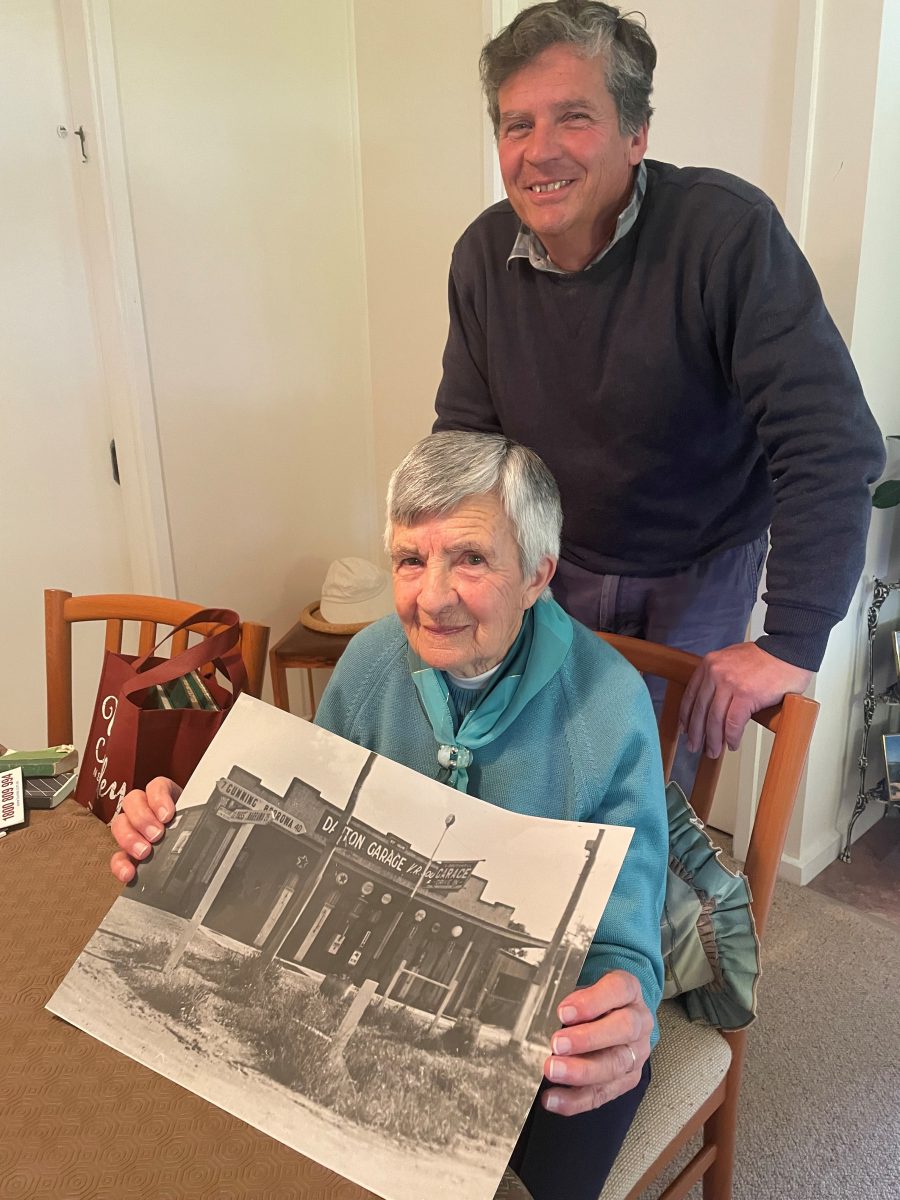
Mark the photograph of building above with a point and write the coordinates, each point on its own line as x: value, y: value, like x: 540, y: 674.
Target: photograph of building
x: 324, y: 920
x: 338, y: 897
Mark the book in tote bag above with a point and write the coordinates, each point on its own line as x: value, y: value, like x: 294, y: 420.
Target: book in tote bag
x: 156, y: 716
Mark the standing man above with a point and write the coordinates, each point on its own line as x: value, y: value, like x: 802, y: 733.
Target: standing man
x: 656, y: 335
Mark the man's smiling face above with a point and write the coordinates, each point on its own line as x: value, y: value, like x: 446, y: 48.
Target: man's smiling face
x: 568, y: 170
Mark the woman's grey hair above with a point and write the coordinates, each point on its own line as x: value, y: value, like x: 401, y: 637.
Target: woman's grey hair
x: 591, y: 28
x: 444, y: 469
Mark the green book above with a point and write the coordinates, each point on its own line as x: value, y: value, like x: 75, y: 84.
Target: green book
x: 188, y: 691
x: 54, y: 760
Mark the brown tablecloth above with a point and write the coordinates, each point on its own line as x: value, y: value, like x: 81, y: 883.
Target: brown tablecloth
x: 77, y: 1119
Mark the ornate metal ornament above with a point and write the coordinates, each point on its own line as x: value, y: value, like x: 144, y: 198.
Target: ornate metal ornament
x: 880, y: 792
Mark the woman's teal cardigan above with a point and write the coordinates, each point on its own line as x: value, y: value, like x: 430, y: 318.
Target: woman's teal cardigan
x: 585, y: 748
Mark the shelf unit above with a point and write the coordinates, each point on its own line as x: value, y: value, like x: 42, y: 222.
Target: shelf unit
x: 871, y: 702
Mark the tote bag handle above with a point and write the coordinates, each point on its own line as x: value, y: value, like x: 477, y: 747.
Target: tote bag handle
x: 218, y: 649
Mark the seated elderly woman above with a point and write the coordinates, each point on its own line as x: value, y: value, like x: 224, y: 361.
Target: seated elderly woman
x: 482, y: 681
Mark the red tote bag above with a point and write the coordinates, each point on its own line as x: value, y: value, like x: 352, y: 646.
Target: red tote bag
x: 130, y: 744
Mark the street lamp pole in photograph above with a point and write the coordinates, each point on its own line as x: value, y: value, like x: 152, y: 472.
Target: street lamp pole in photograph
x: 448, y: 821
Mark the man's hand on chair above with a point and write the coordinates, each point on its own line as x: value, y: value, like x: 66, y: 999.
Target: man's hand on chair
x: 141, y: 822
x: 727, y: 688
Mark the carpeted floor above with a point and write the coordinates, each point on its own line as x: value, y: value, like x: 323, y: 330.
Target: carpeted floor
x: 820, y: 1106
x: 871, y: 882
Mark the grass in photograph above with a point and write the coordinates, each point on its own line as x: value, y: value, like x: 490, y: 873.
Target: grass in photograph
x: 131, y: 955
x: 434, y: 1096
x: 396, y: 1075
x: 176, y: 998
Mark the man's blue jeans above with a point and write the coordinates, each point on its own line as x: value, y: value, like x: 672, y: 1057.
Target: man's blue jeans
x: 704, y: 607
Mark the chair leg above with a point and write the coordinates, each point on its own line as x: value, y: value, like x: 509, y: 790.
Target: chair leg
x: 58, y: 657
x: 721, y: 1129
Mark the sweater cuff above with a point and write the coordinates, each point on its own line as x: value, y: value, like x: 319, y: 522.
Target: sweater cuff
x: 797, y: 635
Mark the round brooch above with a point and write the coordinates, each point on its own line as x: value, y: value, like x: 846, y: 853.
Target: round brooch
x: 454, y: 756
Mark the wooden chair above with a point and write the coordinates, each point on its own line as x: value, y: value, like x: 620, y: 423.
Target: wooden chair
x: 62, y: 610
x: 697, y: 1070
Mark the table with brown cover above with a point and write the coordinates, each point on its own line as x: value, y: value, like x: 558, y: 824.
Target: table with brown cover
x: 79, y: 1121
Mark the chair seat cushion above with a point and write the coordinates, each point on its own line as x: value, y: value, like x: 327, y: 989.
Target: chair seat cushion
x: 688, y: 1064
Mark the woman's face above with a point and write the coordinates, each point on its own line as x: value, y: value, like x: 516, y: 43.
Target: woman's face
x: 458, y: 586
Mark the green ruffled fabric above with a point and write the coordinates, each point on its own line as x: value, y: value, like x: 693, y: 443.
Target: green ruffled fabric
x: 709, y: 942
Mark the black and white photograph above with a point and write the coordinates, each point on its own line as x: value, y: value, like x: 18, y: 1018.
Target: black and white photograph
x: 359, y: 961
x: 892, y: 765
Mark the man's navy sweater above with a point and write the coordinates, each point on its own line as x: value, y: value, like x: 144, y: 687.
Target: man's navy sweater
x: 687, y: 391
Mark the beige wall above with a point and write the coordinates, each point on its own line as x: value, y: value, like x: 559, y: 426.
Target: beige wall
x: 61, y: 518
x: 860, y: 261
x: 422, y: 183
x: 723, y: 97
x: 297, y: 185
x: 242, y: 156
x: 845, y: 99
x: 842, y: 167
x: 723, y: 87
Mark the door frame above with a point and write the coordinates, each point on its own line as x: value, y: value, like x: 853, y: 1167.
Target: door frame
x: 107, y: 235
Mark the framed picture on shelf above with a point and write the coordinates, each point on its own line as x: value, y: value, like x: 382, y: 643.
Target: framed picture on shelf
x: 892, y: 765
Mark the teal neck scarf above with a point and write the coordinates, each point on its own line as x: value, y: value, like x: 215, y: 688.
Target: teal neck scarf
x: 533, y: 659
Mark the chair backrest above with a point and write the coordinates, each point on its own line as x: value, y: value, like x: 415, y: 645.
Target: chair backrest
x: 791, y: 722
x: 62, y: 610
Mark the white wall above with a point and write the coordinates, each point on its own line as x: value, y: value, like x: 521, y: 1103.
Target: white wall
x: 845, y: 99
x: 861, y: 262
x: 723, y: 97
x: 422, y: 174
x: 241, y: 141
x: 61, y: 520
x: 843, y: 165
x: 723, y: 87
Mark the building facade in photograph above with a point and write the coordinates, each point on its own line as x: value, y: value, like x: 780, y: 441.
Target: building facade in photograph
x: 296, y: 878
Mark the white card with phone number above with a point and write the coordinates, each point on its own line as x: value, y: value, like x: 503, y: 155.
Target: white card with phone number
x: 12, y: 804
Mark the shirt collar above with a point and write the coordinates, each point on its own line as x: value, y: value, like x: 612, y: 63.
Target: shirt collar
x: 528, y: 244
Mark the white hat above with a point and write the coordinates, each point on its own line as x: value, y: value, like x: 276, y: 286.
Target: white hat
x: 355, y: 593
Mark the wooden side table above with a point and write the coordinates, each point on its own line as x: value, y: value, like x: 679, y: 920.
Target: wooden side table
x: 308, y: 649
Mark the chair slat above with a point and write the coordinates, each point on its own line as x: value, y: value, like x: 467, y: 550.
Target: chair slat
x: 668, y: 726
x: 179, y: 642
x: 113, y: 641
x: 148, y: 638
x: 704, y: 789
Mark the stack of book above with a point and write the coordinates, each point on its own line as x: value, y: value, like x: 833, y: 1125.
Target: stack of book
x: 48, y: 775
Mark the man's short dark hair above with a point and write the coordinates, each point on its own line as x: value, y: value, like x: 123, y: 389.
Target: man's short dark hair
x: 590, y: 28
